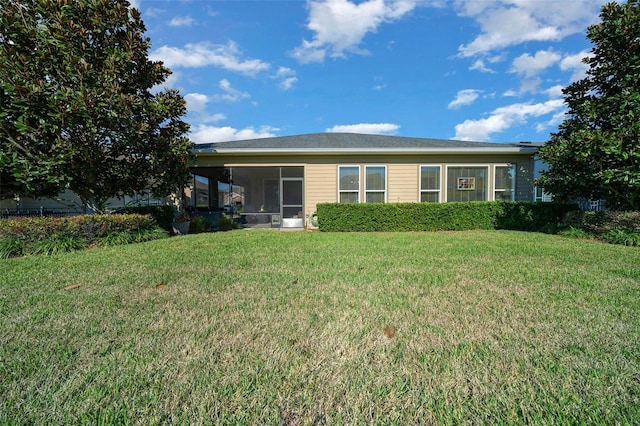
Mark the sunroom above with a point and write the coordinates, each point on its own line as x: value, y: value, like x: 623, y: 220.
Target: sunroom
x: 257, y: 196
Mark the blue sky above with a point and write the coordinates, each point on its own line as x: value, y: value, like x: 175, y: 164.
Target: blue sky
x: 483, y: 70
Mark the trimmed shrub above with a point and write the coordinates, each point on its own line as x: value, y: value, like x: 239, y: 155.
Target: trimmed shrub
x: 45, y: 235
x: 367, y: 217
x: 162, y: 214
x: 530, y: 216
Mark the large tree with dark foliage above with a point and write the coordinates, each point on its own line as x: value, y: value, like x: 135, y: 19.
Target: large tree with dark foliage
x: 596, y: 152
x: 77, y: 109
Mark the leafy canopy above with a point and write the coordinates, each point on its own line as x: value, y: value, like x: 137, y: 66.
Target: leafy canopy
x: 77, y: 105
x: 596, y: 152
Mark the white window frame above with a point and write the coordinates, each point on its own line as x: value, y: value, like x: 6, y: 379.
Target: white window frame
x: 544, y: 197
x: 340, y: 190
x: 487, y: 187
x: 386, y: 180
x: 513, y: 181
x: 421, y: 190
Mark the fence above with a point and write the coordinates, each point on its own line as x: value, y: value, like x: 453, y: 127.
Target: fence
x: 592, y: 205
x: 40, y: 212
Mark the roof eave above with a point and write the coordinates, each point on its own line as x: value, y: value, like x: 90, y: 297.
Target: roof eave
x: 386, y: 151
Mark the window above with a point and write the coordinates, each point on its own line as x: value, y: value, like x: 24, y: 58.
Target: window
x: 430, y: 184
x: 200, y: 195
x: 505, y: 183
x: 467, y: 183
x: 539, y: 194
x: 375, y: 184
x: 348, y: 184
x: 542, y: 196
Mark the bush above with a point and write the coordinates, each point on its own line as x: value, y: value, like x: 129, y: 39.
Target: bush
x: 612, y: 227
x: 199, y: 224
x: 162, y: 214
x: 526, y: 216
x: 44, y: 235
x: 226, y: 224
x: 625, y: 238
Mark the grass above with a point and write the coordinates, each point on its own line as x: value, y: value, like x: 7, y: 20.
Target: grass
x: 264, y: 327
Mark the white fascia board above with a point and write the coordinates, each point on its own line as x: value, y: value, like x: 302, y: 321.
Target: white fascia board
x: 388, y: 151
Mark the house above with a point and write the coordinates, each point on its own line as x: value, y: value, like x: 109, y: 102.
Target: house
x: 279, y: 181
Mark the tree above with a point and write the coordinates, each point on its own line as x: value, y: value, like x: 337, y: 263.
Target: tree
x: 596, y: 151
x: 77, y: 105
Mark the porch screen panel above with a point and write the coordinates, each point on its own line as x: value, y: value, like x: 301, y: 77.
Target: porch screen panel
x: 292, y: 192
x: 292, y: 171
x: 258, y: 188
x: 467, y: 183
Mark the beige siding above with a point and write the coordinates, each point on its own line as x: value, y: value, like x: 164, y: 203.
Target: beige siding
x: 66, y: 200
x: 403, y: 183
x: 403, y: 177
x: 320, y: 185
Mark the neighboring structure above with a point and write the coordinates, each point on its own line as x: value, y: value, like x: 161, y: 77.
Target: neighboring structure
x: 68, y: 203
x: 277, y: 182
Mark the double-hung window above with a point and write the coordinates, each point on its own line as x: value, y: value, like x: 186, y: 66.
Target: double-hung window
x: 349, y: 184
x: 430, y: 184
x: 375, y: 184
x: 505, y: 183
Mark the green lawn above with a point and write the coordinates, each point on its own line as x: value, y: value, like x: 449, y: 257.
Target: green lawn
x: 266, y: 327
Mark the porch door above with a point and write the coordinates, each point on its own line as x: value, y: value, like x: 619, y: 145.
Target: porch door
x: 292, y: 206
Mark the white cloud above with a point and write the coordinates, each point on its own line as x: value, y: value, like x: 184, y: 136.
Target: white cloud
x: 554, y: 92
x: 464, y: 97
x: 182, y: 21
x: 194, y: 55
x: 575, y: 64
x: 208, y: 134
x: 530, y: 85
x: 196, y: 101
x: 366, y: 128
x: 197, y: 104
x: 230, y: 94
x: 153, y: 11
x: 171, y: 83
x: 530, y: 66
x: 341, y: 25
x: 479, y: 65
x: 553, y: 122
x: 287, y: 78
x: 503, y: 118
x: 505, y: 23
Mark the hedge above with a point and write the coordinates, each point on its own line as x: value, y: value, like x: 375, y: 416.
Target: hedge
x: 367, y: 217
x: 162, y: 214
x: 47, y: 235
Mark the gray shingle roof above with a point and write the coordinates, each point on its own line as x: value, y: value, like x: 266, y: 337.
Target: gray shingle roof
x: 352, y: 141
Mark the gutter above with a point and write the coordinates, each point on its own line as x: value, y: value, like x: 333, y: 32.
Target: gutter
x: 387, y: 151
